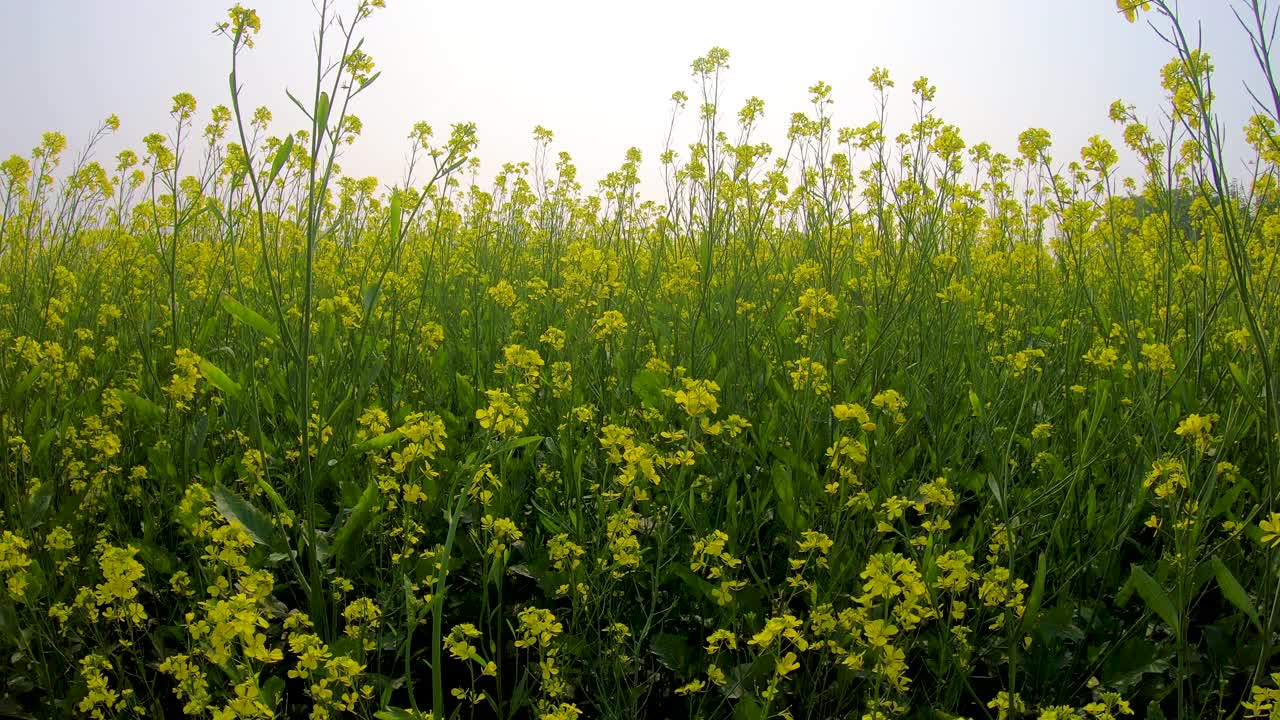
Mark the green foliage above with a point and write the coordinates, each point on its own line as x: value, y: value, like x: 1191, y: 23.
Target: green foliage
x: 865, y: 426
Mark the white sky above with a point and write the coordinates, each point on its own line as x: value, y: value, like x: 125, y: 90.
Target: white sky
x: 599, y: 73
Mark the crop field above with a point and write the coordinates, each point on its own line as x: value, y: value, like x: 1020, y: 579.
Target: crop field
x: 869, y: 422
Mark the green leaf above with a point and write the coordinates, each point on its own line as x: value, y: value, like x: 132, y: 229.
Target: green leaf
x: 282, y: 155
x: 219, y: 379
x: 395, y: 215
x: 248, y: 317
x: 370, y: 80
x: 1091, y: 504
x: 1037, y: 594
x: 695, y: 583
x: 784, y: 487
x: 45, y: 442
x: 747, y: 709
x: 140, y: 405
x: 674, y: 652
x: 346, y: 541
x: 453, y: 167
x: 378, y: 442
x: 466, y: 393
x: 994, y: 486
x: 648, y: 386
x: 206, y: 330
x: 514, y: 444
x: 236, y: 509
x: 1234, y: 592
x: 25, y: 383
x: 395, y: 714
x: 1155, y: 597
x: 196, y: 434
x: 273, y: 496
x: 975, y: 404
x: 157, y: 558
x: 297, y: 102
x: 1242, y: 382
x: 1226, y: 500
x: 271, y: 691
x: 322, y: 111
x: 212, y: 206
x: 36, y: 509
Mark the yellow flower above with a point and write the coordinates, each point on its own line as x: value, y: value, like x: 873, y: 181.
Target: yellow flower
x: 413, y: 493
x: 855, y: 413
x: 502, y: 415
x: 891, y: 401
x: 503, y: 294
x: 786, y: 665
x: 609, y: 324
x: 1131, y: 8
x: 698, y: 397
x: 816, y: 305
x: 878, y: 632
x: 692, y: 686
x: 1158, y: 357
x: 1271, y: 530
x: 1197, y: 429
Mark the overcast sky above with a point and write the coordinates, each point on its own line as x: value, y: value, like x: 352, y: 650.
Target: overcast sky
x: 599, y: 73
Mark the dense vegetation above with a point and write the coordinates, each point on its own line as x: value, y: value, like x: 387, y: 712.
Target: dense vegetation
x: 863, y: 425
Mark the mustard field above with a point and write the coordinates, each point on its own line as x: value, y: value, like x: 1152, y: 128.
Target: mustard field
x: 860, y: 422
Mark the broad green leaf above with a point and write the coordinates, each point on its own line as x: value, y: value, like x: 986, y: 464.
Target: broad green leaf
x: 294, y: 99
x: 237, y: 179
x: 785, y: 490
x: 140, y: 405
x: 273, y: 496
x: 248, y: 317
x: 648, y: 386
x: 282, y: 156
x: 994, y: 486
x: 378, y: 442
x: 45, y: 442
x: 37, y: 507
x: 697, y: 584
x: 747, y: 709
x: 370, y: 80
x: 1155, y: 597
x: 395, y: 215
x: 674, y: 652
x: 196, y: 434
x: 1037, y: 594
x: 1091, y: 505
x: 206, y: 331
x: 1234, y: 592
x: 514, y: 444
x: 1226, y: 500
x: 1242, y: 382
x: 25, y: 384
x: 219, y: 379
x: 322, y: 111
x: 257, y: 525
x: 396, y: 714
x: 341, y: 408
x: 212, y: 206
x: 347, y: 540
x: 271, y: 689
x: 466, y: 393
x: 453, y: 167
x: 156, y: 557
